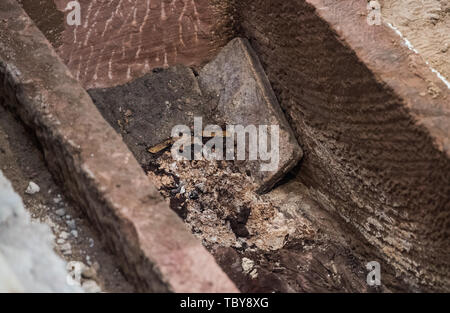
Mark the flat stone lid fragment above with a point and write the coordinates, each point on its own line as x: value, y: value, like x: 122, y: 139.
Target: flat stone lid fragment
x: 245, y: 97
x: 154, y: 248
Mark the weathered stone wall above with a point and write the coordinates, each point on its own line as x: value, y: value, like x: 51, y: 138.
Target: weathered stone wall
x: 374, y: 123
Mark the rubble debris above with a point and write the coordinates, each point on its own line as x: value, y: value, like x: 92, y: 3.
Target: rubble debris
x: 89, y: 272
x: 158, y: 101
x: 60, y: 212
x: 91, y: 286
x: 247, y: 265
x: 74, y: 233
x: 32, y: 188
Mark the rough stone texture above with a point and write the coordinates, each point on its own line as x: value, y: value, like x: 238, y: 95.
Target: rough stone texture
x: 426, y: 24
x: 96, y: 168
x: 374, y: 122
x: 233, y: 91
x: 145, y: 110
x: 121, y: 40
x: 245, y: 96
x: 27, y: 260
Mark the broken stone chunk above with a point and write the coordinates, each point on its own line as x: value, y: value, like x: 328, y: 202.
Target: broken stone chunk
x: 32, y: 188
x: 245, y: 97
x: 247, y: 265
x: 91, y: 286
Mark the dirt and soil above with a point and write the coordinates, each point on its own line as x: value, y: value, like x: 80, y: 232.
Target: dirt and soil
x: 75, y: 240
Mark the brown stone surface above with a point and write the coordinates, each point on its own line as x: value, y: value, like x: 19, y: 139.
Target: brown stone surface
x: 426, y: 24
x: 245, y: 97
x: 21, y: 161
x: 233, y: 90
x: 120, y: 40
x: 154, y: 248
x: 374, y: 123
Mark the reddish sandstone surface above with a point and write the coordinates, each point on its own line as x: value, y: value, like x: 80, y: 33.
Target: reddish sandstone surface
x: 120, y: 40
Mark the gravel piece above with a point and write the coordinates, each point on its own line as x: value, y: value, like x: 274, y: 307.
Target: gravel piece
x: 60, y: 212
x: 32, y: 188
